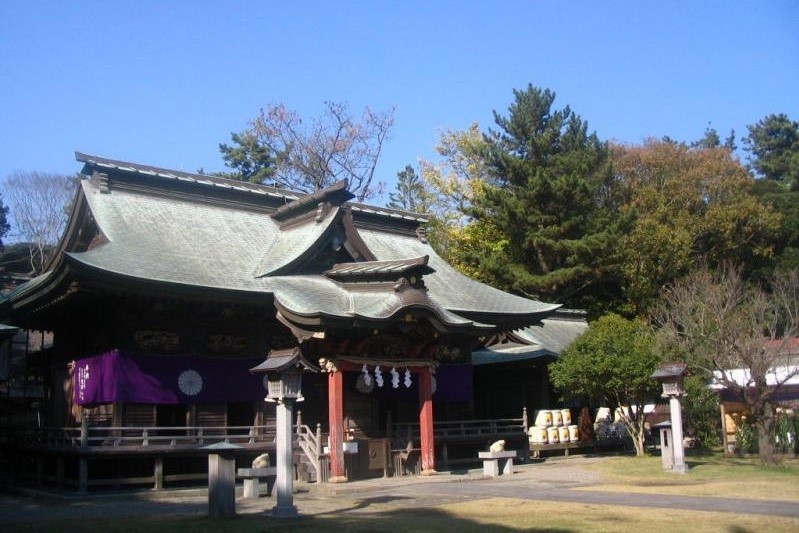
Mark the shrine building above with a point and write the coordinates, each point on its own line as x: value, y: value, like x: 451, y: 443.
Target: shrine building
x: 169, y: 287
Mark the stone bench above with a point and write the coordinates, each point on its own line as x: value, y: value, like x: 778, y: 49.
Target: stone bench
x: 492, y: 460
x: 252, y: 477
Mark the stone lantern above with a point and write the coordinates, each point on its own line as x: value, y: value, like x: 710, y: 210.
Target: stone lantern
x: 672, y: 449
x: 283, y: 369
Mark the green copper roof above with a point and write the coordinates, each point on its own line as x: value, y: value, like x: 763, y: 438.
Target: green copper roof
x: 164, y: 226
x: 549, y: 338
x: 449, y: 287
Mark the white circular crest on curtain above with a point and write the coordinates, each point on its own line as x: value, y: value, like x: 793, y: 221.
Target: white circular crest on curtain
x: 190, y: 382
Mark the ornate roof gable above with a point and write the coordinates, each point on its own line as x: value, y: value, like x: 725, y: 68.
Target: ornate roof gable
x: 315, y: 231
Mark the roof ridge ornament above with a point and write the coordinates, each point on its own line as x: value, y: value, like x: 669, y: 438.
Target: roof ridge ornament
x: 334, y: 196
x: 103, y: 182
x: 421, y: 234
x: 411, y: 270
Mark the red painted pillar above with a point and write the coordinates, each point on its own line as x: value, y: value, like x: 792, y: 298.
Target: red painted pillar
x: 426, y: 421
x: 335, y: 402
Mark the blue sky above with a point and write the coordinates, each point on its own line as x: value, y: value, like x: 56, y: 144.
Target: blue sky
x: 163, y: 83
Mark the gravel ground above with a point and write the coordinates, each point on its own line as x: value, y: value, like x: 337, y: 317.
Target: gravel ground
x: 549, y: 481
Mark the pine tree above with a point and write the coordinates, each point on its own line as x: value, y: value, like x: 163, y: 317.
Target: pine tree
x: 251, y: 160
x: 550, y: 194
x: 410, y: 193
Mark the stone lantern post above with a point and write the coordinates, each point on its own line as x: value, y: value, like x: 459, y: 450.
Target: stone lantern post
x: 671, y: 376
x: 283, y: 369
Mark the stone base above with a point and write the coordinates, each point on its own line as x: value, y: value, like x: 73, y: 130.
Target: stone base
x: 285, y: 511
x: 497, y: 463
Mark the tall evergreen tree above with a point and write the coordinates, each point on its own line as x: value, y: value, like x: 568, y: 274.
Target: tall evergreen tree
x: 410, y: 193
x: 250, y: 160
x: 773, y: 143
x: 550, y: 193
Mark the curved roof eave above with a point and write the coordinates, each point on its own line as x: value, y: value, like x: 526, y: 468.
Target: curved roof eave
x: 77, y: 264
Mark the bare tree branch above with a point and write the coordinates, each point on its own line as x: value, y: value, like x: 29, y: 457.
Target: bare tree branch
x: 38, y: 204
x: 333, y: 147
x: 743, y: 335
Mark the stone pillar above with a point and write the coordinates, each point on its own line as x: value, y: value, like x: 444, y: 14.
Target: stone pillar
x: 335, y: 401
x: 221, y: 479
x: 221, y: 485
x: 158, y: 473
x: 426, y: 422
x: 284, y: 484
x: 677, y: 439
x: 83, y: 474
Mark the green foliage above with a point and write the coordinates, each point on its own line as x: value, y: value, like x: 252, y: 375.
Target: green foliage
x: 786, y: 431
x: 613, y: 360
x: 701, y: 412
x: 410, y: 193
x: 547, y: 193
x: 746, y: 437
x: 711, y: 139
x: 686, y: 206
x: 773, y: 143
x: 784, y: 202
x: 251, y: 160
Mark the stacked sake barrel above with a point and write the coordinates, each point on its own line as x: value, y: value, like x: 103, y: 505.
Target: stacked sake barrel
x: 553, y: 426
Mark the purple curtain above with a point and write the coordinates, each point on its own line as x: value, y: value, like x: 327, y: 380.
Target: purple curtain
x: 132, y: 378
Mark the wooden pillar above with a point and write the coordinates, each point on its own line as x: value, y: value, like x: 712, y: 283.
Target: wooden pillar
x: 335, y: 402
x: 426, y: 421
x: 724, y: 439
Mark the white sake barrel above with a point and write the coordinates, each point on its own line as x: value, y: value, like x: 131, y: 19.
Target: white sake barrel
x: 563, y: 434
x: 538, y: 435
x: 543, y: 418
x: 553, y: 435
x: 602, y: 415
x: 566, y: 416
x: 557, y: 419
x: 574, y: 434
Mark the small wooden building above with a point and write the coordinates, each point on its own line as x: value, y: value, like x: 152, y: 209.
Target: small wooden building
x: 169, y: 286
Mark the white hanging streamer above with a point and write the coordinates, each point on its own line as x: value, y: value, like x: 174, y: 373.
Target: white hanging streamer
x: 407, y: 378
x: 367, y: 379
x: 394, y: 378
x: 378, y: 376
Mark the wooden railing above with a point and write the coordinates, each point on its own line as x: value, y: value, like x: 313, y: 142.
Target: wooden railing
x: 311, y: 445
x: 107, y: 436
x: 464, y: 429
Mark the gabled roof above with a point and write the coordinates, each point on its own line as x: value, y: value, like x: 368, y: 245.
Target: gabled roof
x: 547, y: 339
x: 175, y: 230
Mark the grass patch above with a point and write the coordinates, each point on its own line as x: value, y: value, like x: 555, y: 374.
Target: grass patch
x: 709, y: 475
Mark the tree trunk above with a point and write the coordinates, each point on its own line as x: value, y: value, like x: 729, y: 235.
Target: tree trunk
x: 635, y: 425
x: 765, y: 427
